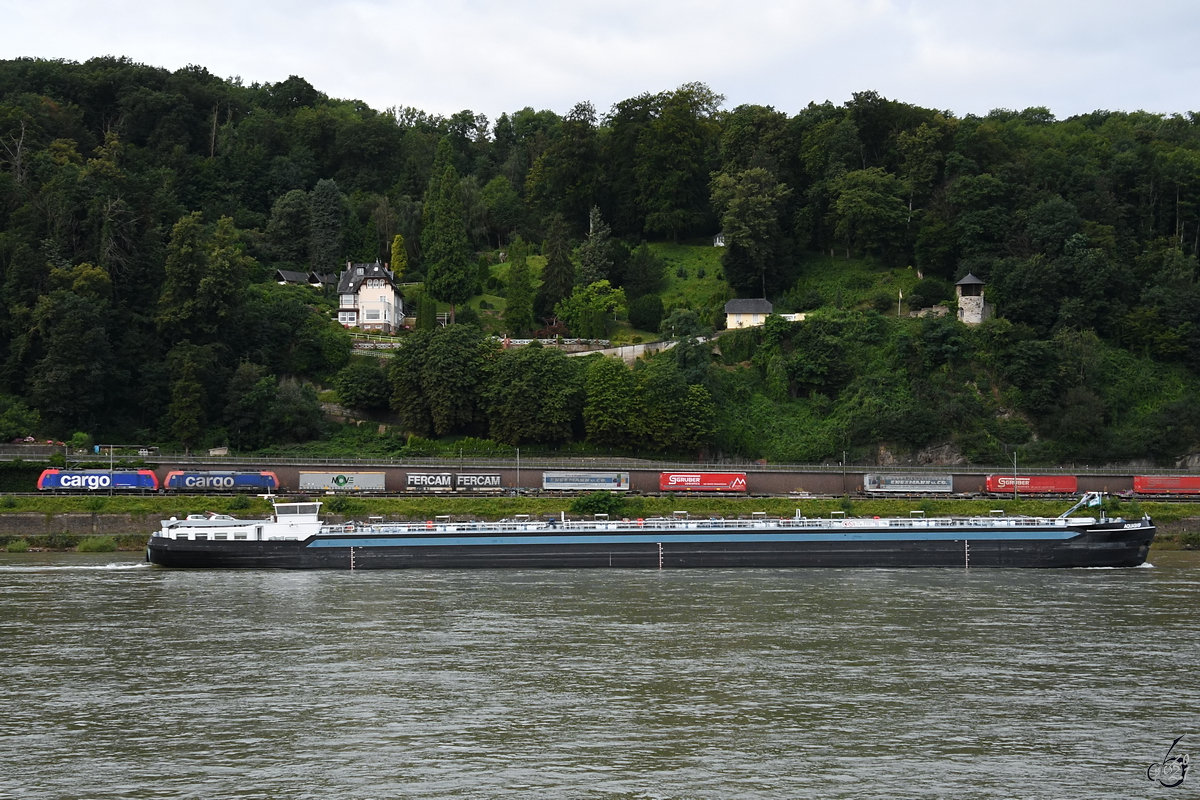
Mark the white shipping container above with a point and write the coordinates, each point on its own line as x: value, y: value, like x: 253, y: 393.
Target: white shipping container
x: 585, y: 481
x: 342, y: 482
x: 478, y: 481
x: 428, y: 481
x: 908, y: 484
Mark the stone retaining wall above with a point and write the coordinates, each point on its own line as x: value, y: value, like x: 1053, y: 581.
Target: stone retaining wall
x: 25, y: 524
x: 1185, y: 525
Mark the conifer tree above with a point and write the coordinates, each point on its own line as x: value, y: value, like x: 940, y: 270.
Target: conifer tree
x: 426, y: 313
x: 187, y: 262
x: 288, y: 229
x: 399, y: 256
x: 518, y: 312
x: 558, y: 277
x: 450, y: 275
x: 325, y: 232
x: 186, y: 412
x: 595, y: 254
x: 221, y: 289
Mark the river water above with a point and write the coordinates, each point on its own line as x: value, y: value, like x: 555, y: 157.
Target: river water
x: 119, y: 680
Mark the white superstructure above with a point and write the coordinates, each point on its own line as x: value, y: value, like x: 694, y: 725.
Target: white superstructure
x: 290, y: 521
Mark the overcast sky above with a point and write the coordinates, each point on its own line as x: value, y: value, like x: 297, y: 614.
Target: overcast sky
x: 447, y: 55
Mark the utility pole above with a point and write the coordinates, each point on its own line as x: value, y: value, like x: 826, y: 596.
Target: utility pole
x: 1014, y: 473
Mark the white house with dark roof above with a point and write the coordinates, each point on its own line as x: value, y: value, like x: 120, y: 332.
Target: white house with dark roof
x: 746, y: 313
x: 368, y: 298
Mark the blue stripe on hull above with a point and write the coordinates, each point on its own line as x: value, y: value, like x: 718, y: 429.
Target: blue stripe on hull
x: 699, y: 538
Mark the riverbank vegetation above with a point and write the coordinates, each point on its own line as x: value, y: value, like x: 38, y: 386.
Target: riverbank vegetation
x: 150, y: 509
x: 144, y: 214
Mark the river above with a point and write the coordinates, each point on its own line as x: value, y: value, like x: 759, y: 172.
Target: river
x: 120, y: 680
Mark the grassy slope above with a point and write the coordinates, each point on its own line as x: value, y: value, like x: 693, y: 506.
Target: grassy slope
x: 692, y: 291
x: 853, y: 282
x: 849, y: 283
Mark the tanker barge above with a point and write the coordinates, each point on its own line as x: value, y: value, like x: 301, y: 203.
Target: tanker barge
x: 295, y: 538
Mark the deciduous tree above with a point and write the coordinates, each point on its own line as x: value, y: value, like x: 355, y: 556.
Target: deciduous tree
x: 532, y: 394
x: 749, y: 204
x: 613, y: 413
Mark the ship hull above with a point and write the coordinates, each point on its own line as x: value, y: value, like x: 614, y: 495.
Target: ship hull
x: 1097, y: 545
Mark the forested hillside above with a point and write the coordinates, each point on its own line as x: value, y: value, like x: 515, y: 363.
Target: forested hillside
x: 143, y: 213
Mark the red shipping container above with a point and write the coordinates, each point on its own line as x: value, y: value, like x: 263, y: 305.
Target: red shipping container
x: 702, y: 481
x: 1166, y: 484
x: 1034, y: 484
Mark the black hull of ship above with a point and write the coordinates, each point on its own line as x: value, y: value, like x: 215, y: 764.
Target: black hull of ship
x: 1099, y: 545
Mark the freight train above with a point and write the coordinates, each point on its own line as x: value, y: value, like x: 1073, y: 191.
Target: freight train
x: 783, y: 482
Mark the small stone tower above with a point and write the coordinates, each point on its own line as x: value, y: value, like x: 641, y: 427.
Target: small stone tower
x: 972, y: 308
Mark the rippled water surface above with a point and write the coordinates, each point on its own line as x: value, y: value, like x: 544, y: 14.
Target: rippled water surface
x: 120, y: 680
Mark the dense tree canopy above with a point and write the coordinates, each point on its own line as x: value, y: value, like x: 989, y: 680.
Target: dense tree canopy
x: 144, y: 211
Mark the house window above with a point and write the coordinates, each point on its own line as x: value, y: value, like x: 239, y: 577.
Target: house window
x: 372, y: 313
x: 347, y: 300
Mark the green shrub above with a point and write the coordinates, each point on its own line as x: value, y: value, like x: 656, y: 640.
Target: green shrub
x: 62, y: 540
x: 646, y: 313
x: 97, y: 544
x: 418, y: 446
x: 1190, y: 539
x: 239, y: 503
x: 739, y: 345
x: 882, y: 301
x: 929, y: 292
x: 338, y: 504
x: 345, y: 505
x: 465, y: 315
x: 16, y: 546
x: 598, y: 503
x: 473, y: 446
x: 8, y: 501
x: 858, y: 280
